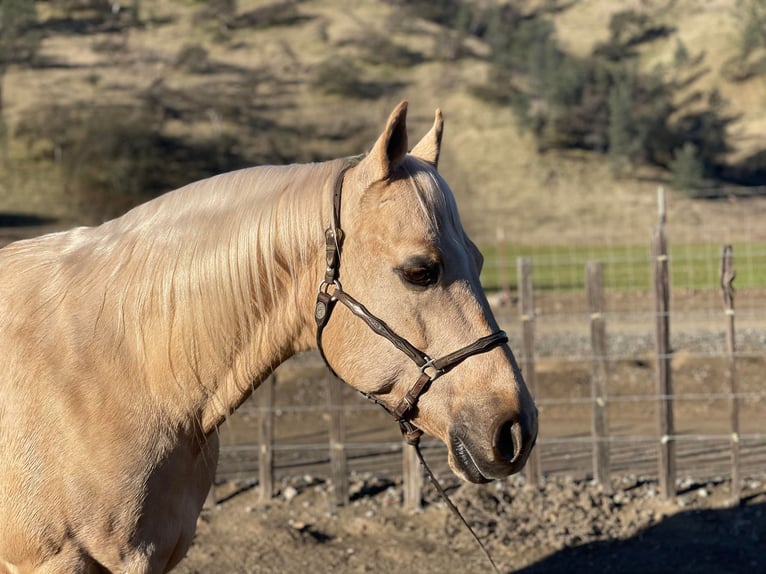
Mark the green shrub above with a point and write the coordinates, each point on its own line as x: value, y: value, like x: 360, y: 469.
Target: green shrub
x: 338, y: 76
x: 193, y: 58
x: 688, y: 171
x: 114, y: 156
x: 379, y: 49
x: 342, y: 76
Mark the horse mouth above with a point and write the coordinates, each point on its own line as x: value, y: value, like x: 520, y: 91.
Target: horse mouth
x: 464, y: 462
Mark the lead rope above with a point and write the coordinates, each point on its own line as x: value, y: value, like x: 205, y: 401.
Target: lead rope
x: 414, y: 442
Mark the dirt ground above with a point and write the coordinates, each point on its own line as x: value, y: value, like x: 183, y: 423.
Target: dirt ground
x: 569, y: 524
x: 565, y: 526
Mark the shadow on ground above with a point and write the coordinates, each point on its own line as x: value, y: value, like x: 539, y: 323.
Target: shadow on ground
x: 723, y: 541
x: 23, y: 220
x: 15, y: 226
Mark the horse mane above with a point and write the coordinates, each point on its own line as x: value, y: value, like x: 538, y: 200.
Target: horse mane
x: 242, y: 239
x: 178, y: 285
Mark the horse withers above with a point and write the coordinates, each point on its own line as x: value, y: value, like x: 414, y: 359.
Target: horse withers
x: 123, y: 347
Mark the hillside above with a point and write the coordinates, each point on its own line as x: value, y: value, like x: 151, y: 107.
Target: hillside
x: 186, y: 91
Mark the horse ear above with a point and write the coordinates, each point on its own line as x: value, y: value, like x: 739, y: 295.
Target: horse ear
x: 429, y: 147
x: 389, y: 151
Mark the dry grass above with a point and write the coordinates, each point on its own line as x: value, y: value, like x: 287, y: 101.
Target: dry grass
x: 499, y: 177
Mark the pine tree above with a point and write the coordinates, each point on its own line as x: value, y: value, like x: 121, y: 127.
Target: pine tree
x: 621, y: 136
x: 750, y: 16
x: 17, y: 43
x: 688, y: 171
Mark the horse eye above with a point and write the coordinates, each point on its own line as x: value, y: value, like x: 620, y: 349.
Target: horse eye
x: 421, y: 275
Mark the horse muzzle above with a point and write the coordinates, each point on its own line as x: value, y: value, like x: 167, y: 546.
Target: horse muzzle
x: 509, y: 443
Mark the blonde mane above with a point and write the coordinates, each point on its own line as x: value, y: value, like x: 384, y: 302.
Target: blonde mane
x: 184, y: 280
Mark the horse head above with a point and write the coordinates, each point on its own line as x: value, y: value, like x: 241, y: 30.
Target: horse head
x: 415, y: 332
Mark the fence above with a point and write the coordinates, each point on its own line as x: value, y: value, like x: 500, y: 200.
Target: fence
x: 586, y: 344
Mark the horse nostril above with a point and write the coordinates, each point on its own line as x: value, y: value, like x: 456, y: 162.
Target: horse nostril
x: 509, y: 441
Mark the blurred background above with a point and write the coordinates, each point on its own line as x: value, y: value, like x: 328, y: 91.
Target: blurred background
x: 562, y: 116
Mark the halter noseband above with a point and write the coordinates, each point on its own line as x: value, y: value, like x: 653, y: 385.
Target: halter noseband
x: 331, y: 292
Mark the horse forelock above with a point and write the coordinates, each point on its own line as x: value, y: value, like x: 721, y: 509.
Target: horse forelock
x: 434, y: 197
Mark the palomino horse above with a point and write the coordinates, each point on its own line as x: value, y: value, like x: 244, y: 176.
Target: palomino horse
x: 124, y: 346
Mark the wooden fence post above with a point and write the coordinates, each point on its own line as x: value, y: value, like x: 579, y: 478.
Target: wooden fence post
x: 412, y: 479
x: 727, y: 278
x: 210, y: 500
x: 527, y: 309
x: 594, y: 278
x: 338, y: 462
x: 266, y: 427
x: 660, y: 265
x: 502, y: 268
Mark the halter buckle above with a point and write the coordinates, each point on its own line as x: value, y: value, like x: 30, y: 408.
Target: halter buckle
x: 333, y: 239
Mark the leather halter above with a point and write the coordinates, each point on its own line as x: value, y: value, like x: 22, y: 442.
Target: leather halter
x: 331, y: 292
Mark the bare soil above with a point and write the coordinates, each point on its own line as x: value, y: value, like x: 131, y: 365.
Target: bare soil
x: 568, y: 524
x: 563, y: 526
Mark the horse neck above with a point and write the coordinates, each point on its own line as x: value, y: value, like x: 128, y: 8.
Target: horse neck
x: 235, y: 299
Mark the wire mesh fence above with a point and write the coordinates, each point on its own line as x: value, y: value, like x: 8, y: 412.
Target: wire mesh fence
x: 703, y: 433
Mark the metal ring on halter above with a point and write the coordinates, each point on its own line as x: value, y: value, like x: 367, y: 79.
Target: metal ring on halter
x: 430, y: 363
x: 324, y: 286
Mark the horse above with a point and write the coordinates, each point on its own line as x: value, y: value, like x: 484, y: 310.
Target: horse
x: 125, y: 345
